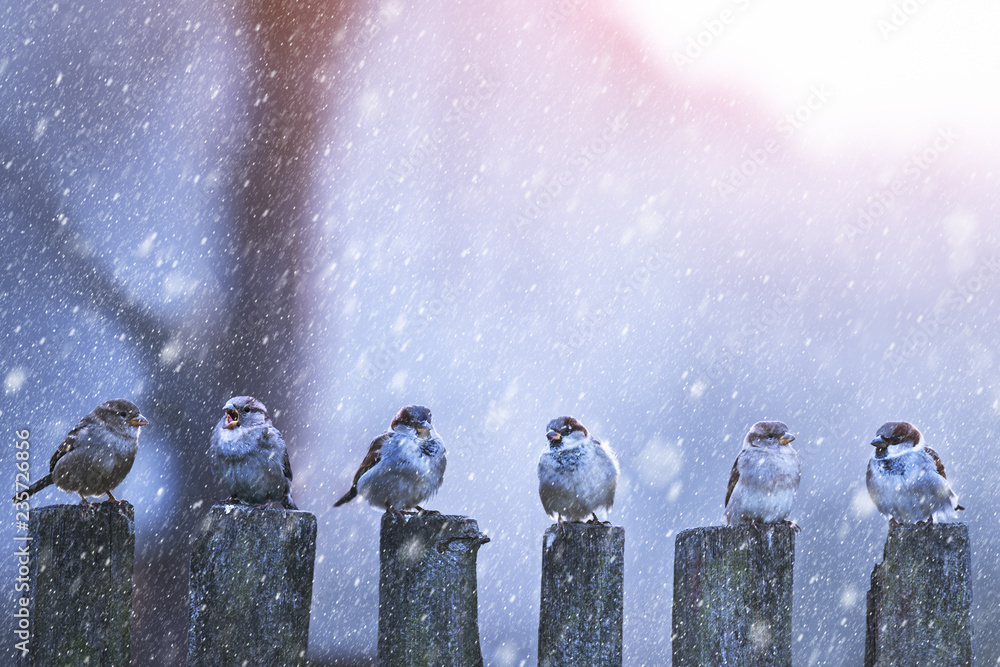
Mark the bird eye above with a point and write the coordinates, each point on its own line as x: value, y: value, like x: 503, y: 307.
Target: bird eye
x: 123, y: 414
x: 246, y: 409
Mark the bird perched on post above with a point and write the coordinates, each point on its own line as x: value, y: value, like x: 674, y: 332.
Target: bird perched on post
x: 906, y: 478
x: 97, y: 453
x: 249, y: 456
x: 765, y: 477
x: 577, y: 474
x: 404, y: 466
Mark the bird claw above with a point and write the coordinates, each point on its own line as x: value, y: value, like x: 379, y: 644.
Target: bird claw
x: 594, y: 521
x: 86, y: 506
x: 893, y: 524
x: 791, y: 524
x: 395, y: 513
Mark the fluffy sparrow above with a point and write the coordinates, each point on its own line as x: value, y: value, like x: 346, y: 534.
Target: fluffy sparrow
x: 765, y: 476
x: 249, y: 456
x: 577, y: 474
x: 97, y: 453
x: 404, y: 466
x: 906, y: 478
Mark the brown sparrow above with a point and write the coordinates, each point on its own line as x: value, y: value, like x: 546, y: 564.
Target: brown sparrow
x: 249, y: 456
x: 97, y: 453
x: 906, y: 478
x: 404, y: 466
x: 577, y: 474
x: 765, y: 476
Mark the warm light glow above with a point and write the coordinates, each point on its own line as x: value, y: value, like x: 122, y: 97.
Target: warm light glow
x: 898, y: 69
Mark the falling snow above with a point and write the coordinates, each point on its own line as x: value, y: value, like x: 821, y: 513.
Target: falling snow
x: 668, y: 222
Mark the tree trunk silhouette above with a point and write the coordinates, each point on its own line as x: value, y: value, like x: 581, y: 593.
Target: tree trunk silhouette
x: 250, y: 346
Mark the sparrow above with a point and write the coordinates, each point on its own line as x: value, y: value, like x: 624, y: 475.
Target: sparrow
x: 906, y: 478
x: 97, y: 453
x: 577, y: 474
x: 249, y: 457
x: 765, y: 477
x: 404, y: 466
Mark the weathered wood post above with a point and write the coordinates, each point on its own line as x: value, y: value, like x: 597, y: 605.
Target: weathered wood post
x: 733, y: 596
x: 80, y: 577
x: 583, y: 578
x: 251, y: 587
x: 428, y: 601
x: 920, y: 601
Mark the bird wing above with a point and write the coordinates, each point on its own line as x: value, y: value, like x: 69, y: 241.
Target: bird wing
x: 734, y: 477
x: 937, y: 460
x: 273, y: 440
x: 940, y: 469
x: 371, y: 459
x: 68, y: 445
x: 286, y: 466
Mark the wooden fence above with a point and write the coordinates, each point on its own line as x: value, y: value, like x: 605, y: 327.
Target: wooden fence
x: 252, y: 571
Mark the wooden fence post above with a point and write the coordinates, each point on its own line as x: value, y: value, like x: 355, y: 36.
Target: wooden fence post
x: 920, y: 601
x: 583, y: 576
x: 80, y: 578
x: 428, y: 601
x: 251, y: 587
x: 733, y: 596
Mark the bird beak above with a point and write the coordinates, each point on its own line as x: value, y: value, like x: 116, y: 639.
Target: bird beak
x: 879, y: 442
x: 232, y: 417
x: 553, y: 436
x: 424, y: 427
x: 787, y: 438
x: 139, y: 421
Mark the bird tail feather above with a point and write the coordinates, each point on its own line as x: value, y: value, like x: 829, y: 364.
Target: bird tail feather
x: 348, y: 497
x: 33, y: 489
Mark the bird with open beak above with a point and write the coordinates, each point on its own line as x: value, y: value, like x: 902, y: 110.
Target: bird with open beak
x: 249, y: 456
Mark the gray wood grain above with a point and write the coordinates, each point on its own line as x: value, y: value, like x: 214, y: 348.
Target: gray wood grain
x: 583, y: 577
x: 81, y: 580
x: 428, y: 601
x: 920, y: 601
x: 733, y: 596
x: 251, y: 587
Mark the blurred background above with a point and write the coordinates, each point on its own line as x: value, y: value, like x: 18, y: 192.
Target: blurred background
x: 669, y: 220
